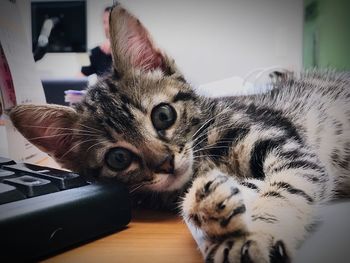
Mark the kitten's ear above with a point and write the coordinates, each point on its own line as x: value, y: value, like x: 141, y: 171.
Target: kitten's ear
x: 133, y: 47
x: 49, y: 127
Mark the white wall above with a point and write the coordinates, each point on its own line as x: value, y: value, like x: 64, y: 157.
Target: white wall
x: 210, y: 40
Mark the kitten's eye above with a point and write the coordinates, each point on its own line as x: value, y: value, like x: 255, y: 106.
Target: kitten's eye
x: 163, y: 116
x: 119, y: 158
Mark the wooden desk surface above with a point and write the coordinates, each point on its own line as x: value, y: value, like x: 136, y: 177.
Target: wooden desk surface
x: 150, y: 237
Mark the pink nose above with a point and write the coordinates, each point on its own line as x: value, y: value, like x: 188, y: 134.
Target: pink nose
x: 166, y: 165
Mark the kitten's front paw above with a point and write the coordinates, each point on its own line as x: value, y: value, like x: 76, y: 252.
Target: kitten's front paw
x: 215, y: 204
x: 255, y: 248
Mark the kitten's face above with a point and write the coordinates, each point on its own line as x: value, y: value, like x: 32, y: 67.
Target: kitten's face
x: 135, y: 125
x: 146, y: 122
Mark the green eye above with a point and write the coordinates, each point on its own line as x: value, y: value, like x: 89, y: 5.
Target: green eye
x: 119, y: 158
x: 163, y: 116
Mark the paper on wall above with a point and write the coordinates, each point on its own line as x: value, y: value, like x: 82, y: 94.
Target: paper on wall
x: 19, y: 82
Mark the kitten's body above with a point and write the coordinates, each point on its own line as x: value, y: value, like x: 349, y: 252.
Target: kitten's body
x: 250, y: 171
x: 314, y: 105
x: 318, y: 104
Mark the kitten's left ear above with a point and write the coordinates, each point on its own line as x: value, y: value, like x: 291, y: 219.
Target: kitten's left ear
x: 50, y: 128
x: 133, y: 47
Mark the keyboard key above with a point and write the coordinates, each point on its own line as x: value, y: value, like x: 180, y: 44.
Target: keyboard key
x: 6, y: 161
x: 62, y: 179
x: 4, y: 174
x: 9, y: 193
x: 32, y: 186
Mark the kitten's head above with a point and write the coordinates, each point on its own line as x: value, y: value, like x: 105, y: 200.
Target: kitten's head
x: 135, y: 125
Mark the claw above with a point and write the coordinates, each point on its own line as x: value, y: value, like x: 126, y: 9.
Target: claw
x: 237, y: 211
x: 278, y: 253
x: 227, y: 251
x: 245, y: 258
x: 207, y: 186
x: 195, y: 219
x: 210, y: 256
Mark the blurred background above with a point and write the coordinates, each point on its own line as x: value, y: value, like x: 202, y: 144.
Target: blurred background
x: 212, y: 40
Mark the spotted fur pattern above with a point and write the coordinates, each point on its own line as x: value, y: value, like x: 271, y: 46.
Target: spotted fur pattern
x: 250, y: 172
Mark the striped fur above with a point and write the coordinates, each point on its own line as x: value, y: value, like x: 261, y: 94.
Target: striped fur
x: 249, y: 171
x: 279, y: 148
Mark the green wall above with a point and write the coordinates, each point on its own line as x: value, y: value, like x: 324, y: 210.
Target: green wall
x: 327, y: 34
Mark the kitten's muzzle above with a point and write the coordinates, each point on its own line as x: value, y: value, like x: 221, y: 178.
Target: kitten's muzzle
x: 166, y: 165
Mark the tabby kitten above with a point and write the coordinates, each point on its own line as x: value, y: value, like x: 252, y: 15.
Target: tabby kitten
x: 250, y: 172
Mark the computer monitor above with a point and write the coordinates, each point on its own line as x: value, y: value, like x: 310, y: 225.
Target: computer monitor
x: 69, y: 31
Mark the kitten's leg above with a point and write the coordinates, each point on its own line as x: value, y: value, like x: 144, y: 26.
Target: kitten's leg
x: 285, y: 210
x: 264, y: 223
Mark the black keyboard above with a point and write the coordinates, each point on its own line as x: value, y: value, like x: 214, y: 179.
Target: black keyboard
x: 44, y: 210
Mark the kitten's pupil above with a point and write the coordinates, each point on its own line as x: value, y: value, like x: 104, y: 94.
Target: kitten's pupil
x: 119, y: 158
x: 163, y: 116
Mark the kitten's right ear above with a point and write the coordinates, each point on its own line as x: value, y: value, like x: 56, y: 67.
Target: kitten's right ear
x: 133, y: 48
x: 49, y: 127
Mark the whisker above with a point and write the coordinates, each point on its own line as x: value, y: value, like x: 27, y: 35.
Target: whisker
x: 223, y: 140
x: 137, y: 187
x: 92, y: 146
x: 60, y: 134
x: 91, y: 129
x: 75, y: 146
x: 216, y: 127
x: 56, y: 128
x: 207, y: 121
x: 220, y: 128
x: 211, y: 144
x: 211, y: 147
x: 204, y: 156
x: 140, y: 185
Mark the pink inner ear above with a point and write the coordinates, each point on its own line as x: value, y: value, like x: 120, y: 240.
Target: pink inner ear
x: 142, y: 53
x: 47, y: 127
x: 50, y: 138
